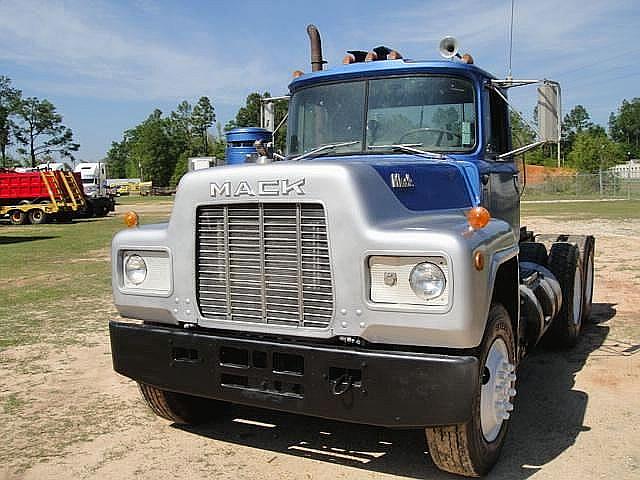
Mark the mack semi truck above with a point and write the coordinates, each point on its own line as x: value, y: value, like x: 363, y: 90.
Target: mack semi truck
x: 375, y: 273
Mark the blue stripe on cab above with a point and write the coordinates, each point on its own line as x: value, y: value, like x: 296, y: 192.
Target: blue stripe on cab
x: 436, y: 186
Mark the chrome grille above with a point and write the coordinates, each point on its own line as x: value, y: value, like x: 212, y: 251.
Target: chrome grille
x: 264, y: 263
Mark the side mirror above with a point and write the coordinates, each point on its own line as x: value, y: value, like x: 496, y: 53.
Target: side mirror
x: 549, y: 113
x: 268, y: 115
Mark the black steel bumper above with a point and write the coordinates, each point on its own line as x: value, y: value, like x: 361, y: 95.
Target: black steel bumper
x: 396, y: 389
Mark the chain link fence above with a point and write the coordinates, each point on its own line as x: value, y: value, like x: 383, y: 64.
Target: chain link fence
x: 581, y: 186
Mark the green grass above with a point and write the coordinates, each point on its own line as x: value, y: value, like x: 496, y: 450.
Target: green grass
x: 11, y: 404
x: 56, y: 279
x: 137, y: 199
x: 616, y: 210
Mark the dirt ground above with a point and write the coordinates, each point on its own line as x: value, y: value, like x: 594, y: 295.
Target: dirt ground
x: 68, y: 415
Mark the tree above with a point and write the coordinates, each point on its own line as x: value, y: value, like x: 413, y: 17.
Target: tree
x: 521, y: 133
x: 152, y: 149
x: 593, y: 150
x: 117, y: 159
x: 41, y: 131
x: 575, y: 122
x: 9, y: 99
x: 624, y: 126
x: 249, y: 116
x: 204, y: 116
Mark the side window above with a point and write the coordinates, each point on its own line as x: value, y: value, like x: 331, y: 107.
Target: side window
x: 498, y: 124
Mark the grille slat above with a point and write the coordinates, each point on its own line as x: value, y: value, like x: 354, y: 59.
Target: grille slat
x: 264, y: 263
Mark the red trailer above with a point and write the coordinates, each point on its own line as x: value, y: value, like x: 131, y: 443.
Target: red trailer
x: 34, y: 197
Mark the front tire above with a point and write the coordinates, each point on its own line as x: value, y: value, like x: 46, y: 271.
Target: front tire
x: 181, y: 408
x: 472, y: 448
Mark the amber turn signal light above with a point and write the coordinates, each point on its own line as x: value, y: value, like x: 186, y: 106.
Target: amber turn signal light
x: 297, y: 73
x: 131, y: 219
x: 478, y: 217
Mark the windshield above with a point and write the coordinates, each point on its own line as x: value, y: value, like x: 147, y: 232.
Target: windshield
x: 429, y: 112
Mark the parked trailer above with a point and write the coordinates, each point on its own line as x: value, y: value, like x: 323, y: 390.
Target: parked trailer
x: 378, y: 274
x: 38, y: 196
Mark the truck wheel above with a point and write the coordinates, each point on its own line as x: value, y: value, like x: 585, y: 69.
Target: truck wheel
x: 564, y: 262
x: 37, y: 216
x: 181, y: 408
x: 64, y: 217
x: 534, y: 252
x: 17, y: 217
x: 587, y: 264
x: 472, y: 448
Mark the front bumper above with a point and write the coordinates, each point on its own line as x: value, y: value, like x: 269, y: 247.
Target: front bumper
x: 386, y: 388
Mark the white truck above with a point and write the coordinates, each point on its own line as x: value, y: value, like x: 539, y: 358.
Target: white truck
x: 94, y: 182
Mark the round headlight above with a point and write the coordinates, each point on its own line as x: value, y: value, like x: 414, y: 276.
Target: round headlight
x: 427, y: 281
x: 135, y: 269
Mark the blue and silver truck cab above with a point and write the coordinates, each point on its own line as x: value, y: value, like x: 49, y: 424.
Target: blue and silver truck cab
x: 377, y: 273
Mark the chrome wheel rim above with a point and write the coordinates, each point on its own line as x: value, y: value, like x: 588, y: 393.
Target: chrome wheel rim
x: 498, y: 379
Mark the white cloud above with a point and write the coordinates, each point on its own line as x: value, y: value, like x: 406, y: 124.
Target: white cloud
x: 87, y: 50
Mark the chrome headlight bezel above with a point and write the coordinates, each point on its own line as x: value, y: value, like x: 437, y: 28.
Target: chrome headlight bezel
x: 158, y: 280
x: 400, y: 295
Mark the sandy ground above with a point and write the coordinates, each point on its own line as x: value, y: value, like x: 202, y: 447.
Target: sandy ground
x: 577, y: 413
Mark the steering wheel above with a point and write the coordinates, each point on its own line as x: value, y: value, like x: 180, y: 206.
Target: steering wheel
x: 441, y: 131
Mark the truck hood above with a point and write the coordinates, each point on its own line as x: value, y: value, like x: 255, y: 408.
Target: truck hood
x: 419, y: 185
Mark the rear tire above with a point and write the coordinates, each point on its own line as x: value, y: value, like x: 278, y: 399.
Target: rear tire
x: 587, y: 265
x: 38, y: 216
x: 17, y: 217
x: 472, y: 448
x: 64, y: 218
x: 534, y: 252
x: 564, y: 262
x: 181, y: 408
x: 102, y: 211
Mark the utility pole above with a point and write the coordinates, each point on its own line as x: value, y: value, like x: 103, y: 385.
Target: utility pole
x: 600, y: 171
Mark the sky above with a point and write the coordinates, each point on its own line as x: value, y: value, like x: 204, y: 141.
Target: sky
x: 107, y: 64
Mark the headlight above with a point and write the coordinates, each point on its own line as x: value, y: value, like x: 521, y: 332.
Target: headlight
x: 135, y: 269
x: 427, y: 281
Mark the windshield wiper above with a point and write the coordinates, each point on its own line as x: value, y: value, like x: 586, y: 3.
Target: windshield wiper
x: 410, y: 148
x: 324, y: 148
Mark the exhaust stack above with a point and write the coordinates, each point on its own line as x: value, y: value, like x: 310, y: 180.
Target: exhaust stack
x: 316, y: 48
